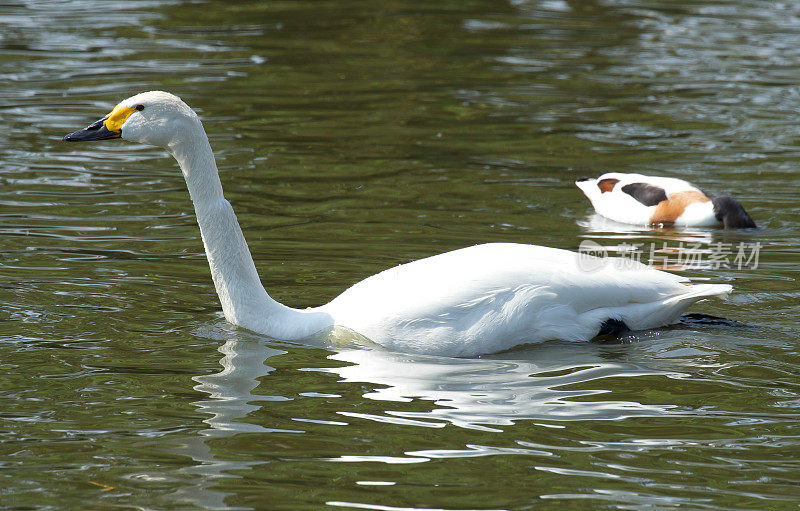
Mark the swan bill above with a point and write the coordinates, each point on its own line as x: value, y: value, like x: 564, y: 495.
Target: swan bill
x: 94, y: 131
x: 106, y: 128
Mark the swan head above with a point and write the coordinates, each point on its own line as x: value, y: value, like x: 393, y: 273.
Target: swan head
x: 156, y: 118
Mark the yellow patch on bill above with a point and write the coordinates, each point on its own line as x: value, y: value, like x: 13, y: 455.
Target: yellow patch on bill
x: 117, y: 118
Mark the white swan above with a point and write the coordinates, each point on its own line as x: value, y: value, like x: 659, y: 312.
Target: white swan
x: 661, y: 202
x: 480, y: 299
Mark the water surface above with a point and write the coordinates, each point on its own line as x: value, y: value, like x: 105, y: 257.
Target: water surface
x: 351, y: 137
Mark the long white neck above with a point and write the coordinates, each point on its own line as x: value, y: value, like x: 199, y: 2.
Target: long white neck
x: 244, y: 300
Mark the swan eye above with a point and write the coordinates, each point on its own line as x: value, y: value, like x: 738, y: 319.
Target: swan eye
x: 139, y: 107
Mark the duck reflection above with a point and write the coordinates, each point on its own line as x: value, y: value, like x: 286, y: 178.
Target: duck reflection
x: 600, y: 226
x: 669, y: 248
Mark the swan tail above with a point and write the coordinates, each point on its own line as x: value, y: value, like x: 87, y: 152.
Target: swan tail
x: 697, y: 292
x: 669, y: 310
x: 644, y: 316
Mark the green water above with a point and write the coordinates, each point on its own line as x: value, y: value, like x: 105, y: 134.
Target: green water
x: 352, y: 136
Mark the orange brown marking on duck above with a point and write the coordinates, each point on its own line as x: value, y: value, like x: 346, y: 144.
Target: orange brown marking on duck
x: 606, y: 185
x: 667, y: 211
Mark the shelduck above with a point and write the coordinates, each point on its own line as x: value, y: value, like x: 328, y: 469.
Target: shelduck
x: 661, y: 202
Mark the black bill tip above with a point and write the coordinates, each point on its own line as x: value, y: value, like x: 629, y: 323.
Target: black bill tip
x: 96, y: 131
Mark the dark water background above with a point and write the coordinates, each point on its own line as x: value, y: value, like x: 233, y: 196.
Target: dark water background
x: 352, y: 136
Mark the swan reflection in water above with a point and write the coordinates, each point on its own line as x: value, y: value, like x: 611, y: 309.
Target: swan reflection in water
x: 536, y: 384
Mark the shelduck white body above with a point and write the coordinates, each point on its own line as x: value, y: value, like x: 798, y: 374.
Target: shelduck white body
x: 660, y: 201
x: 479, y: 299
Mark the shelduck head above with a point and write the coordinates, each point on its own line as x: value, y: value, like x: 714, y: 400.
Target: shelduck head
x: 731, y: 213
x: 156, y: 118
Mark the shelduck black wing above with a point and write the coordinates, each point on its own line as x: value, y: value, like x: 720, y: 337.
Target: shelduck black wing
x: 647, y: 194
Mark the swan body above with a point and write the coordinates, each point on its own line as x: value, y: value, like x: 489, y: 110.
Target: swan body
x: 479, y: 299
x: 492, y: 297
x: 660, y: 201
